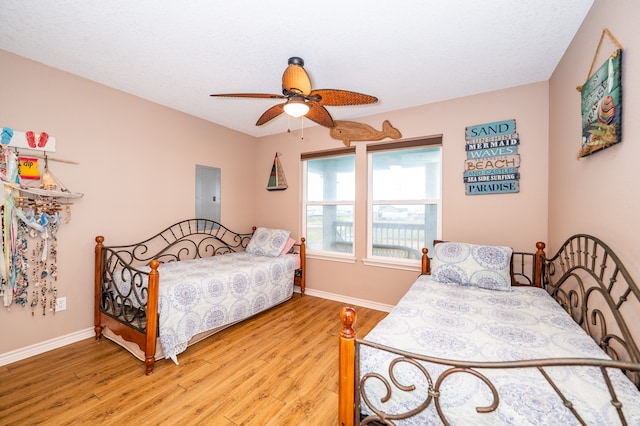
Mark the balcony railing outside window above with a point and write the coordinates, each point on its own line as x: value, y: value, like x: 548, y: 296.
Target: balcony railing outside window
x: 397, y: 240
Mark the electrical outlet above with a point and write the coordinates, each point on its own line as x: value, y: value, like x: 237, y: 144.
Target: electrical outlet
x: 61, y: 304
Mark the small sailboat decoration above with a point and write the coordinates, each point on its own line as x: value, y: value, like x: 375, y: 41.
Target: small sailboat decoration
x: 277, y: 181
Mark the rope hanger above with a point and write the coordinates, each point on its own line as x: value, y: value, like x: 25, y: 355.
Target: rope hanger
x: 595, y: 56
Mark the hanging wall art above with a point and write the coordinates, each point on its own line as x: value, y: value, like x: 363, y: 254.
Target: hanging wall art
x: 277, y: 180
x: 351, y: 131
x: 601, y: 102
x: 492, y: 163
x: 33, y: 206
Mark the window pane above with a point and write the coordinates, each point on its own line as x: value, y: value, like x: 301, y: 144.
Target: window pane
x: 401, y: 231
x: 330, y: 228
x: 406, y: 174
x: 405, y: 201
x: 331, y: 179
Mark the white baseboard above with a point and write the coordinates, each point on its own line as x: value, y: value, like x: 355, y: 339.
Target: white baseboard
x: 58, y: 342
x: 347, y: 300
x: 48, y: 345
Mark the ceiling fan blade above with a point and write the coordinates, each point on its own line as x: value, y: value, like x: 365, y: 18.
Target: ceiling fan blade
x: 249, y: 95
x: 332, y: 97
x: 319, y: 114
x: 295, y: 79
x: 270, y: 114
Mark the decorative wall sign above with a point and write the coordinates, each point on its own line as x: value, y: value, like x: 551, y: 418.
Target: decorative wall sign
x: 28, y: 168
x: 349, y: 131
x: 492, y: 160
x: 601, y: 103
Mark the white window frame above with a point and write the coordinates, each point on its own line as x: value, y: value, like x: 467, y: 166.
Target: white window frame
x: 386, y: 261
x: 327, y: 254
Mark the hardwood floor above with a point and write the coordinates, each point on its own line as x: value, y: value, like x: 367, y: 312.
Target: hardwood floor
x: 278, y: 368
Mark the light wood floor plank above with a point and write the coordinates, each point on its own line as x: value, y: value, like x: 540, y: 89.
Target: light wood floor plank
x: 278, y: 368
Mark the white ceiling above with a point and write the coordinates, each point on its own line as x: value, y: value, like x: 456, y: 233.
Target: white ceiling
x: 406, y: 53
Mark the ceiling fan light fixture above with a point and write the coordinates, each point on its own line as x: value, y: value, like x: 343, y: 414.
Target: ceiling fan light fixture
x: 296, y: 107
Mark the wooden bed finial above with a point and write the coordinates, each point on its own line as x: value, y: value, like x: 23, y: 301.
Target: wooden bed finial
x: 425, y: 269
x: 348, y: 319
x: 346, y: 360
x: 539, y: 262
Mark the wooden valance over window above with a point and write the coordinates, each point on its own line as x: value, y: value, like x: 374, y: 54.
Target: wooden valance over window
x: 327, y: 153
x: 411, y: 143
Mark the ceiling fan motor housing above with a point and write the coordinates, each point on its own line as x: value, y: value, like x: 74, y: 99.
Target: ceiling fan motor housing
x: 294, y: 60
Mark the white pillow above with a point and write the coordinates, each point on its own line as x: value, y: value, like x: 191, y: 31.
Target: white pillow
x: 481, y: 266
x: 268, y: 242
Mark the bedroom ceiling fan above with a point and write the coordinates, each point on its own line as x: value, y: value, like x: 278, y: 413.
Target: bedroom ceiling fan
x: 301, y: 100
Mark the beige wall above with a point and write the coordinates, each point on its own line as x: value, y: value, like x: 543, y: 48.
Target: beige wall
x: 517, y: 220
x: 136, y: 168
x: 597, y: 194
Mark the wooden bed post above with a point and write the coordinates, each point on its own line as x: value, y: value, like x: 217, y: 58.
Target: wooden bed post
x: 346, y: 383
x: 425, y: 262
x: 152, y: 317
x: 97, y: 326
x: 303, y: 265
x: 539, y: 264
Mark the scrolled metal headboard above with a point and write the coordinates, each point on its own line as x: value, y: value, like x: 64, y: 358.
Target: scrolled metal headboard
x: 188, y: 239
x: 590, y: 282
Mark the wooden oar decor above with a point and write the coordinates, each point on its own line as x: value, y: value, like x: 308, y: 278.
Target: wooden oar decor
x: 348, y: 131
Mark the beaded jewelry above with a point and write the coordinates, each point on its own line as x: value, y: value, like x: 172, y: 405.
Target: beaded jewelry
x: 34, y: 302
x: 21, y: 294
x: 43, y: 291
x: 41, y: 227
x: 54, y: 299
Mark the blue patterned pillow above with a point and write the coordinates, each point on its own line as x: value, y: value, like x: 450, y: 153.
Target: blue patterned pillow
x: 268, y: 242
x: 486, y: 267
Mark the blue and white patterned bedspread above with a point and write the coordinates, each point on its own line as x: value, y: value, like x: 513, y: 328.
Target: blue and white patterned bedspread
x: 203, y: 294
x: 466, y: 323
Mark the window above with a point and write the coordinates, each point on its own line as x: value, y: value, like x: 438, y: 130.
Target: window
x: 329, y: 200
x: 403, y: 205
x: 404, y: 198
